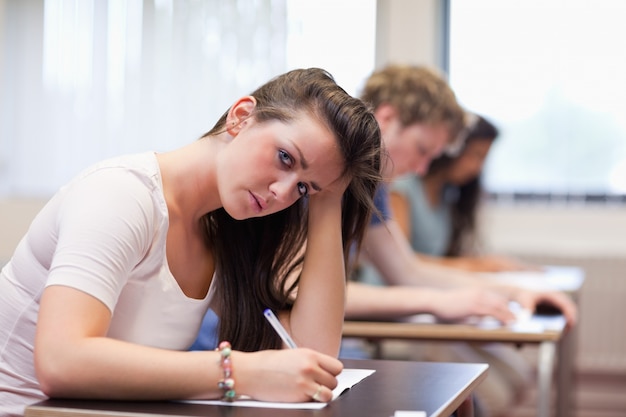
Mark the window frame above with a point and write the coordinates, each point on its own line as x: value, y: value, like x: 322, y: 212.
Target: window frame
x: 517, y: 196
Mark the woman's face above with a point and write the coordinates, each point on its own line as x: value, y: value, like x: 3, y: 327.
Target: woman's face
x: 470, y: 163
x: 268, y: 166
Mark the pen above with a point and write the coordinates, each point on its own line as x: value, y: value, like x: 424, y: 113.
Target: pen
x: 271, y: 317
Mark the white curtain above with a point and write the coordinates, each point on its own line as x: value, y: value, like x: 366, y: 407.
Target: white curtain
x: 82, y: 80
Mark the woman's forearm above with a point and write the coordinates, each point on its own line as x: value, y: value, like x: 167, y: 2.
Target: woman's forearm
x: 376, y: 302
x: 317, y: 316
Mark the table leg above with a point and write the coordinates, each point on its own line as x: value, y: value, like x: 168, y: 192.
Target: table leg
x: 565, y: 373
x: 378, y: 348
x: 545, y: 369
x: 466, y: 409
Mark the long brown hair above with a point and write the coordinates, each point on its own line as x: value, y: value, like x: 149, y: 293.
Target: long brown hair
x: 254, y: 257
x: 463, y: 210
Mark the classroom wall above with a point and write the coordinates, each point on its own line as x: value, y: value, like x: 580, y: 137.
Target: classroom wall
x: 407, y: 32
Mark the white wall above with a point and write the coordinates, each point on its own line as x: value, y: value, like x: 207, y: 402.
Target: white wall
x: 15, y: 217
x: 407, y: 32
x: 574, y: 231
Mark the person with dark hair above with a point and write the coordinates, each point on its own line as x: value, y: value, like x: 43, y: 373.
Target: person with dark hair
x: 106, y: 291
x: 438, y: 212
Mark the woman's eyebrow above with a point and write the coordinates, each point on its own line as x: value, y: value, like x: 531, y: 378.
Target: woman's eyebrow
x: 303, y: 161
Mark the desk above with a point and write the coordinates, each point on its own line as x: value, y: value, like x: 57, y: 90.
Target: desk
x: 547, y: 333
x: 568, y: 279
x: 548, y: 341
x: 436, y: 388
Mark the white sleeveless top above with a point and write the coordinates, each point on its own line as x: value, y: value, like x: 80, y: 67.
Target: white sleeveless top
x: 105, y: 234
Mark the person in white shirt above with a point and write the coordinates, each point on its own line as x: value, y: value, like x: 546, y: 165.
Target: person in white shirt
x: 106, y: 291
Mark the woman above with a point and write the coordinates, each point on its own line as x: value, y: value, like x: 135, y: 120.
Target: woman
x: 107, y: 289
x: 438, y: 212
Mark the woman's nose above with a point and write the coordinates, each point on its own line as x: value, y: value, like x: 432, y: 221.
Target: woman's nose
x: 284, y: 190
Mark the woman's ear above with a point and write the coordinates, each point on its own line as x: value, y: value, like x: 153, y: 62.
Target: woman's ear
x: 238, y: 113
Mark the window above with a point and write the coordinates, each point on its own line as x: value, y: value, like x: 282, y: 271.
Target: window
x: 337, y: 35
x: 550, y: 74
x: 83, y: 80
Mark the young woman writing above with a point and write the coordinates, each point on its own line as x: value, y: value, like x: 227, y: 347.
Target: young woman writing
x: 107, y: 289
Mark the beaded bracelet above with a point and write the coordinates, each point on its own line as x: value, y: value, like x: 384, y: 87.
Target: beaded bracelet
x: 226, y: 384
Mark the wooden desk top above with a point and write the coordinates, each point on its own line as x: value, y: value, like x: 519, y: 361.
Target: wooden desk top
x: 536, y: 330
x: 436, y: 388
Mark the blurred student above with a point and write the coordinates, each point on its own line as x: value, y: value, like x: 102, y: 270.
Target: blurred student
x: 437, y: 213
x: 421, y: 119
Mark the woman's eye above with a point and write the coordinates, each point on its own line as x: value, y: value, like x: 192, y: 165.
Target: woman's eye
x: 285, y: 158
x: 303, y: 190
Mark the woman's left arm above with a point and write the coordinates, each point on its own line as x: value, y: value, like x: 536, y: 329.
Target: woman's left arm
x: 316, y: 319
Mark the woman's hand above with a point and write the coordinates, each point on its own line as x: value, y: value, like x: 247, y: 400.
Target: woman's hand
x: 288, y: 375
x: 529, y: 300
x: 330, y: 196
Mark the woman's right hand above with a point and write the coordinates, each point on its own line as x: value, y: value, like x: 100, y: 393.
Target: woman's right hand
x: 288, y: 375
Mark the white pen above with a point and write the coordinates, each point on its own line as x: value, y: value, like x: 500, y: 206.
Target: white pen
x: 271, y: 317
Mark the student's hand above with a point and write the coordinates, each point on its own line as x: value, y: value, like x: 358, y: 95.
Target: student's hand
x: 332, y: 194
x: 288, y: 375
x: 456, y: 304
x: 329, y: 199
x: 529, y: 300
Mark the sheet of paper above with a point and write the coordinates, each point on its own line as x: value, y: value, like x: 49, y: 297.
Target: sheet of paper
x: 524, y: 321
x: 402, y: 413
x: 345, y: 380
x: 558, y: 278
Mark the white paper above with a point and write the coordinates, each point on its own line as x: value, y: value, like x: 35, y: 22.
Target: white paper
x: 345, y: 380
x: 557, y: 278
x: 402, y: 413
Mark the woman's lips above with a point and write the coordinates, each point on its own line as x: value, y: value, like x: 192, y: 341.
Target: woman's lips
x: 258, y: 204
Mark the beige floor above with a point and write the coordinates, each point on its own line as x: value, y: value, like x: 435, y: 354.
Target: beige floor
x: 595, y: 395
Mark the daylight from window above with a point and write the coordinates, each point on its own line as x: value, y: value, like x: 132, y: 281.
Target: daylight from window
x: 83, y: 80
x: 550, y: 74
x: 337, y: 35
